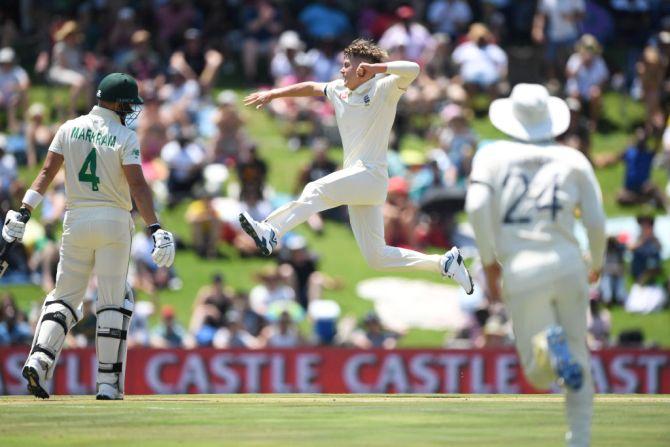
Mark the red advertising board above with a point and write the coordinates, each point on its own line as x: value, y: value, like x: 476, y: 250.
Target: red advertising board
x: 333, y: 370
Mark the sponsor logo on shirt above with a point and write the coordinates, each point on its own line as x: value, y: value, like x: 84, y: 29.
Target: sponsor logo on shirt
x: 366, y: 100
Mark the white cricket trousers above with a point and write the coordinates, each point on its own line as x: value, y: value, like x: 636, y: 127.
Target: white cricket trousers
x: 97, y: 240
x: 562, y: 301
x: 363, y: 189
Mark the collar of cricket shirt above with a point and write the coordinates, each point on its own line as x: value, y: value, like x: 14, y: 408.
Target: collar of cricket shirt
x: 105, y: 113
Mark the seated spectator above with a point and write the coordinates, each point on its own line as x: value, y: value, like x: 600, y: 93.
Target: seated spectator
x: 282, y: 333
x: 647, y: 293
x: 449, y: 16
x: 324, y: 20
x: 261, y: 23
x: 587, y: 75
x: 143, y: 63
x: 14, y: 327
x: 273, y: 287
x: 68, y: 65
x: 213, y: 301
x: 139, y: 334
x: 612, y: 279
x: 457, y: 139
x: 325, y: 60
x: 283, y: 64
x: 320, y: 166
x: 83, y: 333
x: 169, y: 333
x: 38, y: 134
x: 408, y: 39
x: 149, y: 278
x: 482, y: 63
x: 185, y: 159
x: 373, y: 335
x: 231, y: 137
x: 235, y: 336
x: 638, y: 187
x: 180, y: 99
x: 119, y: 40
x: 45, y: 256
x: 578, y: 135
x: 14, y: 83
x: 399, y: 214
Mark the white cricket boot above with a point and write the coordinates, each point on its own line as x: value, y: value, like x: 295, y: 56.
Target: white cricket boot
x: 35, y: 372
x: 262, y: 233
x: 453, y: 267
x: 108, y: 391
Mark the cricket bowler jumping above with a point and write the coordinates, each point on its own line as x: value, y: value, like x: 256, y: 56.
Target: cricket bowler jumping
x: 365, y: 101
x: 101, y: 157
x: 522, y: 201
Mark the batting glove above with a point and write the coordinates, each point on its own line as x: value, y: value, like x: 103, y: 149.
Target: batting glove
x: 164, y: 248
x: 15, y: 226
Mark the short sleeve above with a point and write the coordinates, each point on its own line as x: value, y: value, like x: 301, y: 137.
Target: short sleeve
x: 482, y: 172
x: 329, y: 89
x: 58, y: 141
x: 131, y: 151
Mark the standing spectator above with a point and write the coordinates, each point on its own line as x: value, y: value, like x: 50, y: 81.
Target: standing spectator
x: 211, y: 305
x: 14, y: 83
x: 194, y: 62
x: 613, y: 281
x: 251, y: 172
x: 587, y: 75
x: 556, y: 26
x: 174, y: 17
x: 599, y: 322
x: 407, y: 39
x: 457, y: 139
x: 284, y: 64
x: 185, y: 159
x: 205, y: 227
x: 38, y: 134
x: 449, y: 16
x: 67, y: 65
x: 651, y: 71
x: 230, y: 138
x: 142, y: 62
x: 400, y: 215
x: 482, y: 63
x: 119, y: 42
x: 302, y: 267
x: 261, y: 26
x: 169, y: 333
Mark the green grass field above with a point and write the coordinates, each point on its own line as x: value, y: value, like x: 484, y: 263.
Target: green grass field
x: 326, y: 420
x: 337, y: 249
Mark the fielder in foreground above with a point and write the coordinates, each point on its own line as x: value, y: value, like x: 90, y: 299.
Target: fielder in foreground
x: 521, y: 202
x: 102, y: 170
x: 365, y: 101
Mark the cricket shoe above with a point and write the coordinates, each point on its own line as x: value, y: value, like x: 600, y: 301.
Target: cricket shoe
x: 108, y: 391
x: 569, y: 372
x: 35, y: 373
x: 262, y: 233
x: 453, y: 267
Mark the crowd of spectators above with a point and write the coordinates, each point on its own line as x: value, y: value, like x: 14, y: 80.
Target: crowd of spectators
x: 196, y: 148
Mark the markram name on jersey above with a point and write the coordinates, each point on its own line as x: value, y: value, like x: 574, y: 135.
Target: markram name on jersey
x: 95, y: 148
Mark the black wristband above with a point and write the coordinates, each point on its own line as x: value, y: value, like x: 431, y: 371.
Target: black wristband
x: 154, y: 227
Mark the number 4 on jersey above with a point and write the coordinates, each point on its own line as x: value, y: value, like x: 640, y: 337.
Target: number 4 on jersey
x: 87, y: 171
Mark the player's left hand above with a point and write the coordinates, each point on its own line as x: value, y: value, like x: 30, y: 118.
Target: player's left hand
x: 164, y: 248
x: 15, y: 226
x: 258, y: 99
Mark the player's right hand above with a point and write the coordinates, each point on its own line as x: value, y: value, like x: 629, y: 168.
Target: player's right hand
x: 258, y: 99
x: 14, y: 226
x: 164, y: 248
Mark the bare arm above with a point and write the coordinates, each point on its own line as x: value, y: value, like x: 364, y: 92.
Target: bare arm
x: 141, y: 193
x: 260, y: 99
x: 52, y: 164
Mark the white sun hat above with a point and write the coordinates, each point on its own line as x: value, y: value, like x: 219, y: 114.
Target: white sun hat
x: 530, y: 114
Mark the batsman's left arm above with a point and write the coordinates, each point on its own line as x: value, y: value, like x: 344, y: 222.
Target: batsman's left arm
x: 51, y: 166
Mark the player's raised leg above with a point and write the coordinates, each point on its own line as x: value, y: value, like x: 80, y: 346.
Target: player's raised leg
x: 356, y: 185
x: 61, y: 309
x: 367, y: 223
x: 115, y: 305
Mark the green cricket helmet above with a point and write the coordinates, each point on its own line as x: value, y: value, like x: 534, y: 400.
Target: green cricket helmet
x: 122, y: 89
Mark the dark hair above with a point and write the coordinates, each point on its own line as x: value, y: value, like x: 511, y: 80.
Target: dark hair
x: 366, y: 50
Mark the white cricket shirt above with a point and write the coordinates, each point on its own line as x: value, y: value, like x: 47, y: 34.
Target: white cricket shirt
x: 95, y: 147
x: 365, y: 115
x: 522, y: 202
